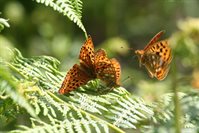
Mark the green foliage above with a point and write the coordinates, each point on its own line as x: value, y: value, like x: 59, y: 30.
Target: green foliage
x: 190, y: 107
x: 3, y: 22
x: 33, y: 87
x: 83, y: 110
x: 11, y: 88
x: 163, y: 118
x: 29, y: 101
x: 70, y: 8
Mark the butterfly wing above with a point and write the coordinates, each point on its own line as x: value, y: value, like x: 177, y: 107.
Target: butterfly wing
x: 117, y: 67
x: 157, y: 59
x: 140, y: 53
x: 162, y: 73
x: 86, y: 55
x: 161, y: 50
x: 74, y: 79
x: 153, y: 63
x: 154, y: 40
x: 108, y: 70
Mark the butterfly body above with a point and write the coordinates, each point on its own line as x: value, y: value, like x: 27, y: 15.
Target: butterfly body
x: 156, y: 57
x: 92, y: 65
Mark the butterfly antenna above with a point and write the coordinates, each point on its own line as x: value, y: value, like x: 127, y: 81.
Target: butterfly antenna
x: 128, y: 48
x: 128, y: 77
x: 163, y: 31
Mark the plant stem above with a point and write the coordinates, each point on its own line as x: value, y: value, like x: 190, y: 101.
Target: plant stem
x: 176, y: 99
x: 86, y: 35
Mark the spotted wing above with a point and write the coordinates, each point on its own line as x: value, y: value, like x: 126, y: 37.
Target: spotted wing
x: 157, y: 59
x: 74, y: 79
x: 108, y: 70
x: 86, y: 55
x: 117, y: 67
x: 162, y: 73
x: 160, y: 49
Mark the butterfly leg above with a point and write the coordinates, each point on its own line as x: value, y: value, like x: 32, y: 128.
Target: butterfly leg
x: 108, y: 89
x: 151, y: 74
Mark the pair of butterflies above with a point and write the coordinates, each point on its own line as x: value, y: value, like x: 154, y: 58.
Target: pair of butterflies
x: 156, y: 57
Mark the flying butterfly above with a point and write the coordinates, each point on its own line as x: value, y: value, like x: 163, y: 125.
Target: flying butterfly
x: 92, y: 65
x: 156, y: 57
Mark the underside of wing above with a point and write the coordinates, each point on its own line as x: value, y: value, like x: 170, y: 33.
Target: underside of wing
x: 117, y: 68
x: 161, y: 49
x: 162, y: 73
x: 156, y: 66
x: 108, y: 70
x: 150, y: 61
x: 74, y: 79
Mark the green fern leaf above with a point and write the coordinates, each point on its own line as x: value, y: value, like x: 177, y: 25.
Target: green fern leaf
x: 4, y: 22
x: 12, y: 90
x: 83, y: 110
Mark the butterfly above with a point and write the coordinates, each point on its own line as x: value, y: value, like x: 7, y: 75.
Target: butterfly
x: 93, y: 64
x: 156, y: 57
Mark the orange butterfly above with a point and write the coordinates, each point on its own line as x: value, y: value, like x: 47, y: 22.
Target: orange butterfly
x: 156, y: 57
x: 92, y: 65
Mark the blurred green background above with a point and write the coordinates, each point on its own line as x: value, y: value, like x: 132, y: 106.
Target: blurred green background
x: 38, y: 30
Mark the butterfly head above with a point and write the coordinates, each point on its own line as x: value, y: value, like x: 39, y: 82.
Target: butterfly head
x: 140, y: 54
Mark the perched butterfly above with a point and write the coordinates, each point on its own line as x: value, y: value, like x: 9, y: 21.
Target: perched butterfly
x: 156, y: 57
x: 92, y: 65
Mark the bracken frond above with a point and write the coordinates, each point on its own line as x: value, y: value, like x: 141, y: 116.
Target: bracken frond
x: 83, y: 110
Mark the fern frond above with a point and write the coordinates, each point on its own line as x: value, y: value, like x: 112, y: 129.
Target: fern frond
x: 164, y: 113
x: 190, y: 107
x: 164, y: 108
x: 57, y: 126
x: 91, y: 111
x: 77, y: 4
x: 12, y: 90
x: 70, y: 8
x: 3, y: 22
